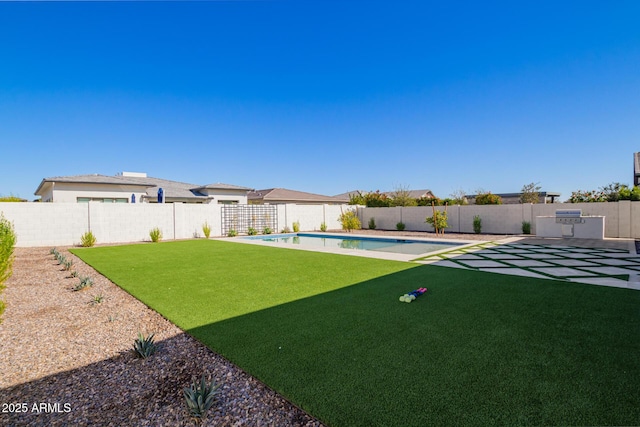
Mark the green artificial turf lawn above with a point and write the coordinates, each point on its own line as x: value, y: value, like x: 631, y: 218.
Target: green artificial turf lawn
x: 328, y: 332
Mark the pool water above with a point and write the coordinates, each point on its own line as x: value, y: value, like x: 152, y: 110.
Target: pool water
x: 400, y: 246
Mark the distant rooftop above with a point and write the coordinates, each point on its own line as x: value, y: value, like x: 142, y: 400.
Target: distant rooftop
x: 173, y: 189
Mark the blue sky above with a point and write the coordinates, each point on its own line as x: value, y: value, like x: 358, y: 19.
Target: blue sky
x: 322, y: 96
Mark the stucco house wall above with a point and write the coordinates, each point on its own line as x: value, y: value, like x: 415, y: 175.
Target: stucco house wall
x: 65, y: 192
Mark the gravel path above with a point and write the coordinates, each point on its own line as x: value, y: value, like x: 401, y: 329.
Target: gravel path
x: 70, y: 361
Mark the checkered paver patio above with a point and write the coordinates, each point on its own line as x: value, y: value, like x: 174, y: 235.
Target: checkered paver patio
x: 596, y: 266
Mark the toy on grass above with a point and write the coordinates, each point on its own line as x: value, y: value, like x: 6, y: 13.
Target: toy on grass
x: 413, y: 295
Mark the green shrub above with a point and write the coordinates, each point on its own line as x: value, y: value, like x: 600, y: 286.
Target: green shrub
x: 11, y: 199
x: 526, y: 227
x: 267, y: 230
x: 206, y: 229
x: 88, y: 239
x: 626, y: 193
x: 286, y: 229
x: 427, y: 201
x: 323, y: 227
x: 296, y: 226
x: 400, y: 226
x: 488, y: 199
x: 8, y: 240
x: 477, y: 224
x: 252, y: 231
x: 377, y: 200
x: 372, y: 223
x: 357, y: 199
x: 438, y: 221
x: 155, y: 234
x: 587, y: 196
x: 67, y: 264
x: 349, y: 220
x: 200, y: 397
x: 144, y: 347
x: 232, y: 233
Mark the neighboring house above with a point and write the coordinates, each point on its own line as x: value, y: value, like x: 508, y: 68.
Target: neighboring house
x: 514, y: 198
x: 130, y: 187
x: 416, y: 194
x: 636, y: 169
x: 277, y: 196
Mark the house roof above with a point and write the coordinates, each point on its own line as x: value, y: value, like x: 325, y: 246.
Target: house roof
x: 222, y: 186
x: 416, y: 194
x: 91, y: 179
x: 171, y: 189
x: 283, y: 194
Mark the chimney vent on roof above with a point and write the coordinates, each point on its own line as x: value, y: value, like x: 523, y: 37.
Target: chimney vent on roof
x: 134, y: 174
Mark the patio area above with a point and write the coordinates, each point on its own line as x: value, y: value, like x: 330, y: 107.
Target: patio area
x: 609, y: 262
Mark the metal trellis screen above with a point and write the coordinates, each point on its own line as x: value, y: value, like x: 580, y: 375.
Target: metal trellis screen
x: 241, y: 217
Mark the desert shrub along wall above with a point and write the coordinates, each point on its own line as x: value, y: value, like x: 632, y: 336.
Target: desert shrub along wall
x: 7, y: 245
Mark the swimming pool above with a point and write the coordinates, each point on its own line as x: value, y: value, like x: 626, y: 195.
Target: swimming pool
x: 379, y: 244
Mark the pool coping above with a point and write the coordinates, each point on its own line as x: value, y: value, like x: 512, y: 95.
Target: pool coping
x: 391, y: 256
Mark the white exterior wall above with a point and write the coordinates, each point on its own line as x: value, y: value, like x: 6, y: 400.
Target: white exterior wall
x: 64, y: 192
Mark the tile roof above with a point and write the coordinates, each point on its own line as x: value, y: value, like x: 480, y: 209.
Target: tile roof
x: 283, y: 194
x: 172, y: 189
x: 222, y: 186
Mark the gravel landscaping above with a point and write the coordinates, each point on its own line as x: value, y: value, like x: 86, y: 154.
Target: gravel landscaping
x: 70, y: 360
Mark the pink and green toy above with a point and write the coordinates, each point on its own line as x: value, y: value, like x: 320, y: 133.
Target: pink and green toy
x: 413, y: 295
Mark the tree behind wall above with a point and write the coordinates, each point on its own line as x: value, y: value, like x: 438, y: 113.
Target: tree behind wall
x: 530, y: 193
x: 488, y: 199
x: 401, y: 196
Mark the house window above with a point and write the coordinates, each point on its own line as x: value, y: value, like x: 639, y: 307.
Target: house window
x: 101, y: 200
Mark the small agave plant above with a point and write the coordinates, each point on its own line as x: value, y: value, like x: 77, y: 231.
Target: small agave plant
x: 144, y: 347
x: 85, y: 282
x: 200, y: 397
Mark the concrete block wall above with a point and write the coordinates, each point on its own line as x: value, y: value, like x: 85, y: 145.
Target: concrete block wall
x: 58, y: 224
x: 622, y: 219
x: 47, y: 224
x: 310, y: 217
x: 191, y: 217
x: 496, y: 219
x: 113, y: 222
x: 62, y: 224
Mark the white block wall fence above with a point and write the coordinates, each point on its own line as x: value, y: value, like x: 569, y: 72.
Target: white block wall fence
x: 51, y: 224
x: 62, y: 224
x: 622, y: 218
